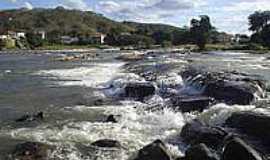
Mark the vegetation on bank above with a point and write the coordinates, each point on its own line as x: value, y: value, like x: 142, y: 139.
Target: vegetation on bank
x: 60, y: 22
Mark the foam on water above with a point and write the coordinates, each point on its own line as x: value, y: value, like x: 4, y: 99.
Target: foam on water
x: 91, y: 76
x: 218, y: 114
x: 116, y: 85
x: 135, y: 129
x: 228, y: 53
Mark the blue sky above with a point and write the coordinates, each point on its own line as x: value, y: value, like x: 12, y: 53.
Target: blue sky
x: 226, y: 15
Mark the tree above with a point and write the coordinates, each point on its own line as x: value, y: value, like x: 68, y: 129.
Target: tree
x: 258, y: 20
x: 260, y: 24
x: 34, y: 40
x: 265, y: 35
x: 200, y: 31
x: 162, y: 36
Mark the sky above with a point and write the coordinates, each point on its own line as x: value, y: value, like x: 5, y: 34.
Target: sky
x: 226, y: 15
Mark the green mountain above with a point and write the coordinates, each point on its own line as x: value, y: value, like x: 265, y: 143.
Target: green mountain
x: 58, y: 20
x: 69, y: 22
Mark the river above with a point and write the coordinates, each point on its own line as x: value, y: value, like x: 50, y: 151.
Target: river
x: 76, y: 97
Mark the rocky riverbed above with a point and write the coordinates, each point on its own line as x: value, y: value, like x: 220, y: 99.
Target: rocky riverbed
x: 147, y: 105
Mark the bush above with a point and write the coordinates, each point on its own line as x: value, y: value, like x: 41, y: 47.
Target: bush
x: 34, y: 40
x: 7, y: 43
x: 166, y: 44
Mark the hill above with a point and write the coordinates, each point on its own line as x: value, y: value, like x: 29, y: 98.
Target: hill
x: 68, y: 22
x: 58, y: 21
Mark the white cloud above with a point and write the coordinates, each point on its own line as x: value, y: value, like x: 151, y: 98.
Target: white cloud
x: 109, y: 6
x: 145, y: 10
x: 177, y: 4
x: 12, y: 1
x: 248, y: 5
x: 75, y: 4
x: 28, y: 5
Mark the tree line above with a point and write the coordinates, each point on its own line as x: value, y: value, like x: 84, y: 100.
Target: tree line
x: 62, y: 22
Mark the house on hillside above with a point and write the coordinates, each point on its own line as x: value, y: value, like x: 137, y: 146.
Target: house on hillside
x: 224, y: 38
x: 69, y: 40
x: 41, y: 33
x: 12, y: 34
x: 96, y: 38
x: 20, y: 34
x: 3, y: 36
x: 241, y: 38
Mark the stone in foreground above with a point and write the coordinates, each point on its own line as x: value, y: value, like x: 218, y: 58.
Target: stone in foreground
x: 107, y: 143
x: 154, y: 151
x: 197, y: 132
x: 199, y: 152
x: 32, y: 151
x: 139, y: 90
x: 237, y: 149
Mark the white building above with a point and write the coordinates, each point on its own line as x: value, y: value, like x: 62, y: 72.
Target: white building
x: 3, y: 37
x: 69, y: 40
x: 20, y: 35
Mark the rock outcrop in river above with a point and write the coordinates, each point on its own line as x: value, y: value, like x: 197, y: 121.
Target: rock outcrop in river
x: 228, y: 87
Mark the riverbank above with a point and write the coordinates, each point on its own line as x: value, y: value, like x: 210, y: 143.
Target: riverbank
x: 253, y: 49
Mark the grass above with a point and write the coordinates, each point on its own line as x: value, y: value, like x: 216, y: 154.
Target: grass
x: 70, y: 47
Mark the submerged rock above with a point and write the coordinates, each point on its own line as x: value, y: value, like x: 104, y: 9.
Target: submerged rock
x: 139, y: 90
x: 154, y: 151
x: 251, y: 123
x: 197, y: 132
x: 199, y: 152
x: 107, y: 143
x: 191, y: 103
x: 30, y: 118
x: 32, y: 151
x: 237, y: 149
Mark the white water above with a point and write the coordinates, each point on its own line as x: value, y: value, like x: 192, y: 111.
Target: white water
x: 92, y: 76
x: 136, y: 128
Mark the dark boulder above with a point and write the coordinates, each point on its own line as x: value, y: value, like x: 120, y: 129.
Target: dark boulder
x: 139, y: 90
x: 111, y: 119
x: 32, y: 151
x: 199, y: 152
x: 251, y: 123
x: 191, y: 103
x: 237, y: 149
x: 106, y: 143
x: 228, y: 87
x: 154, y: 151
x: 30, y: 118
x: 197, y: 132
x: 231, y: 92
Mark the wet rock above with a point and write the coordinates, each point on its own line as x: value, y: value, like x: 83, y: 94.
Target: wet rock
x: 111, y: 118
x: 191, y: 103
x: 199, y: 152
x: 139, y: 90
x: 251, y: 123
x: 130, y: 57
x: 237, y: 149
x: 154, y: 151
x: 32, y: 151
x: 228, y: 87
x: 107, y: 143
x: 30, y: 118
x: 231, y: 92
x: 197, y: 132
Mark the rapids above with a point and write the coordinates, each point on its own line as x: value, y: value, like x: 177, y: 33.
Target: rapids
x: 66, y: 92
